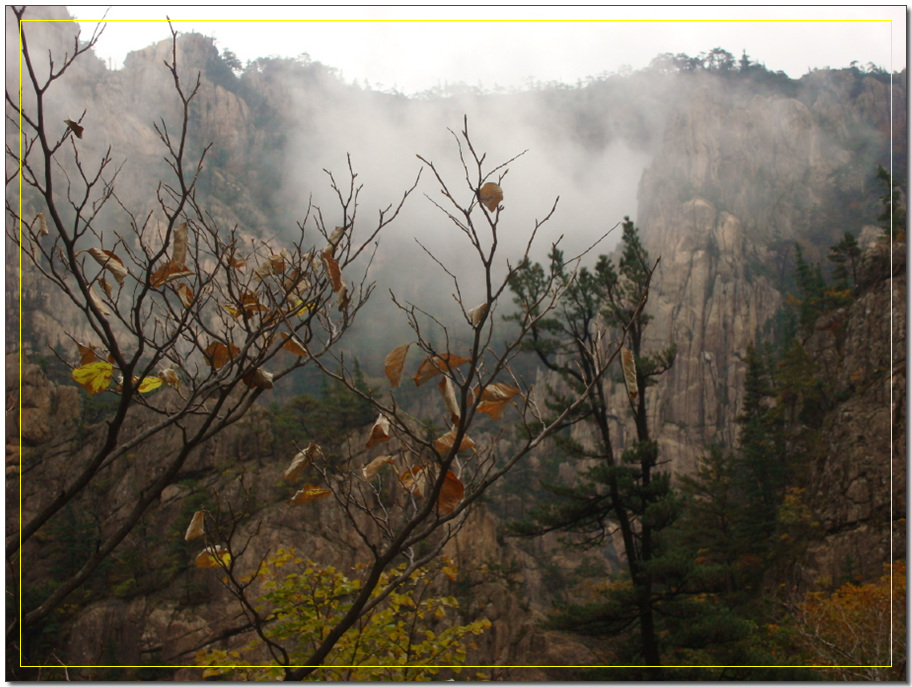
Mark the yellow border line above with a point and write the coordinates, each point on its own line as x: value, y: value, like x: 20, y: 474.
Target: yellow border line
x: 816, y: 21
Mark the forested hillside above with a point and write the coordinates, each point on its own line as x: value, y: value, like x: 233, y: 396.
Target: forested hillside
x: 665, y: 447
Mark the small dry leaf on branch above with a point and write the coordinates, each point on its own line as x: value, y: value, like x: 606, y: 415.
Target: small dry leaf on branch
x: 394, y: 363
x: 106, y: 287
x: 452, y: 491
x: 274, y: 265
x: 259, y: 379
x: 630, y: 375
x: 185, y: 294
x: 169, y: 273
x: 110, y: 262
x: 333, y: 272
x: 301, y: 461
x: 343, y: 299
x: 417, y: 479
x: 490, y: 195
x: 42, y: 224
x: 218, y: 354
x: 476, y: 314
x: 94, y: 377
x: 414, y: 480
x: 334, y: 240
x: 169, y: 377
x: 96, y: 300
x: 211, y: 555
x: 196, y: 529
x: 176, y: 267
x: 292, y: 345
x: 371, y: 469
x: 379, y: 432
x: 309, y: 493
x: 448, y: 391
x: 246, y: 305
x: 444, y: 443
x: 435, y: 365
x: 495, y: 398
x: 87, y: 354
x: 74, y: 127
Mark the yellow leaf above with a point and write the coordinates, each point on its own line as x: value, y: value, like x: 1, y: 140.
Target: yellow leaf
x: 371, y: 468
x: 196, y: 529
x: 148, y: 384
x: 211, y: 555
x: 379, y: 432
x: 94, y: 377
x: 308, y: 494
x: 490, y: 195
x: 395, y: 361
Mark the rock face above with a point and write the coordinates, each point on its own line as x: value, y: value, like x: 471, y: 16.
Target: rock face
x: 740, y: 178
x: 858, y: 485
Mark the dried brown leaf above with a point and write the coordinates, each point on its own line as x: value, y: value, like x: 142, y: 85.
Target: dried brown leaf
x: 434, y: 365
x: 196, y: 528
x: 448, y: 391
x: 379, y: 432
x: 218, y: 354
x: 302, y: 461
x: 490, y: 195
x: 369, y: 470
x: 476, y: 314
x: 394, y: 363
x: 444, y: 444
x: 452, y: 491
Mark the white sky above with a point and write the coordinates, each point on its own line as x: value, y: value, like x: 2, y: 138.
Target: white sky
x: 420, y: 47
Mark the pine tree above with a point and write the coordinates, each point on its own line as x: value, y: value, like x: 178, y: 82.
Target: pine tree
x: 625, y: 492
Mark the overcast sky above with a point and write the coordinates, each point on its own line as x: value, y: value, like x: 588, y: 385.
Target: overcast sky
x: 413, y: 49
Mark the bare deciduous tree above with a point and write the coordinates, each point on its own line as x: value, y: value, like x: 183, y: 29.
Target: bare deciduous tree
x: 174, y: 300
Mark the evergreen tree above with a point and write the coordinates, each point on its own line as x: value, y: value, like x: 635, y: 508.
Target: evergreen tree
x: 845, y: 256
x: 759, y: 465
x: 625, y: 492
